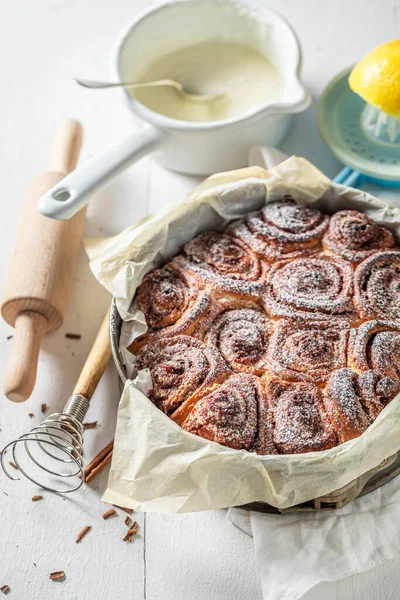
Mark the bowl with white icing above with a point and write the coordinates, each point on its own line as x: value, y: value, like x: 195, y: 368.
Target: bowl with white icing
x: 242, y: 51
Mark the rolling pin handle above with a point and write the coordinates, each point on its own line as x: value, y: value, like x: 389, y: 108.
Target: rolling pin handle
x: 19, y: 379
x: 67, y: 146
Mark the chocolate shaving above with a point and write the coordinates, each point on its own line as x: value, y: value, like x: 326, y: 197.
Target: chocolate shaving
x: 57, y: 576
x: 44, y: 408
x: 109, y: 513
x: 5, y: 589
x: 82, y: 533
x: 99, y: 462
x: 131, y: 532
x: 73, y: 336
x: 37, y: 498
x: 5, y: 493
x: 10, y: 337
x: 31, y: 415
x: 92, y: 425
x: 14, y: 466
x: 128, y: 510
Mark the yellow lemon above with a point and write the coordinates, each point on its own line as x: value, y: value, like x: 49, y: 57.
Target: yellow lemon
x: 376, y: 78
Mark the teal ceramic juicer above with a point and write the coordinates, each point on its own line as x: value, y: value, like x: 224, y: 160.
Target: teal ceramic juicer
x: 359, y: 132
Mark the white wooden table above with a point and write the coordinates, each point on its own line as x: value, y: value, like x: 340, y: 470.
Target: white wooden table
x: 43, y: 45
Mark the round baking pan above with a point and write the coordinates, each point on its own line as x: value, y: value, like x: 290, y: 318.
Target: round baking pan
x: 369, y: 481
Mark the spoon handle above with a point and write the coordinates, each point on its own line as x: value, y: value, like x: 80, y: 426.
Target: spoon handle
x: 99, y: 85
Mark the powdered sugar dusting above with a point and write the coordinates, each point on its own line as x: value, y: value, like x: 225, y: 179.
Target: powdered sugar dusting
x: 355, y: 236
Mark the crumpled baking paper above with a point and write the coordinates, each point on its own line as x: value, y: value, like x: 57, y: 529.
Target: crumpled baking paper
x: 156, y: 465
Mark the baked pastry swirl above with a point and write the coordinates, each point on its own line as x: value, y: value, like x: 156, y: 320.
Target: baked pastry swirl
x: 222, y: 263
x: 242, y: 337
x: 182, y: 369
x: 376, y: 345
x: 310, y: 288
x: 236, y: 414
x: 301, y: 420
x: 355, y: 236
x: 344, y: 405
x: 354, y: 401
x: 307, y: 350
x: 279, y: 335
x: 283, y: 229
x: 377, y: 286
x: 168, y: 299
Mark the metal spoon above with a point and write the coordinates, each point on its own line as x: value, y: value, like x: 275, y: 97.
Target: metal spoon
x: 98, y: 85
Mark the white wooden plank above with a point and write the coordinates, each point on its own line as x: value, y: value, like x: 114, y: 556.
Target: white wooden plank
x: 199, y: 556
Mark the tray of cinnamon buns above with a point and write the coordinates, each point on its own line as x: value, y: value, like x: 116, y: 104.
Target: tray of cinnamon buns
x: 276, y: 335
x: 279, y: 334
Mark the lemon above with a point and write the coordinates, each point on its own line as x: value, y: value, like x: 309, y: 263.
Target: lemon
x: 376, y: 78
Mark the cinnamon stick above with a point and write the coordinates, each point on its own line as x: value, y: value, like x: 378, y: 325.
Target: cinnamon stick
x: 92, y: 425
x: 82, y: 533
x: 5, y: 589
x: 99, y: 462
x: 127, y: 510
x: 131, y: 532
x: 128, y: 522
x: 109, y: 513
x: 57, y: 575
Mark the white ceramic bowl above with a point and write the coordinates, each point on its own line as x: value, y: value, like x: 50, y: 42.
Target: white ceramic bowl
x: 197, y: 148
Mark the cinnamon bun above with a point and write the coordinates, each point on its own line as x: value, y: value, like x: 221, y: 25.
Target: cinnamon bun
x: 242, y: 335
x: 182, y: 368
x: 344, y: 405
x: 310, y: 288
x: 307, y: 350
x: 376, y: 345
x: 301, y: 420
x: 283, y: 229
x: 236, y: 414
x: 355, y: 236
x: 222, y: 262
x: 170, y: 303
x: 377, y: 286
x: 376, y: 391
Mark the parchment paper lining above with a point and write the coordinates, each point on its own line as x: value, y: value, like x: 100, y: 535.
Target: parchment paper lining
x: 156, y: 465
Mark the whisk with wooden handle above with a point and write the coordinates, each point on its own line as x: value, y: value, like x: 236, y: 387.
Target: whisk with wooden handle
x: 54, y: 449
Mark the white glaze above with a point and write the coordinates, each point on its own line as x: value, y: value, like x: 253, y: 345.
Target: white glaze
x: 245, y: 77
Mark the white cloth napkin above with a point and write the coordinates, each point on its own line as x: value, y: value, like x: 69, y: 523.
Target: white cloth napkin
x: 296, y: 551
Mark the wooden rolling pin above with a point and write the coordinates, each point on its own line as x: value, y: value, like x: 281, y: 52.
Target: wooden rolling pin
x: 42, y: 268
